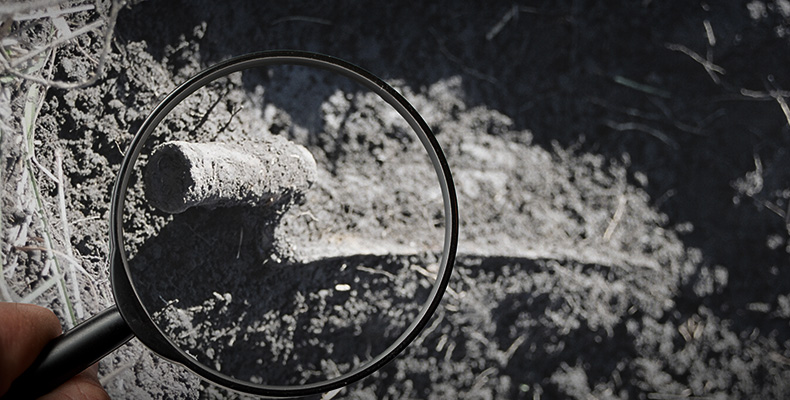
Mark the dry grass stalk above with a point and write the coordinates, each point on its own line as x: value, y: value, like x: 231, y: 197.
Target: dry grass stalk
x: 75, y: 289
x: 14, y: 66
x: 33, y: 62
x: 33, y: 103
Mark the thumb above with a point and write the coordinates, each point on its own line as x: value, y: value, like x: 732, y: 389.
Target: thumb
x: 24, y: 330
x: 84, y: 386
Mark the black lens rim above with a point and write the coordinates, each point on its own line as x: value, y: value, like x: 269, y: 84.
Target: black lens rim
x: 127, y: 299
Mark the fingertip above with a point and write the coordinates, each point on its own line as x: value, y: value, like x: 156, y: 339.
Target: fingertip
x: 41, y: 319
x: 24, y: 330
x: 84, y: 386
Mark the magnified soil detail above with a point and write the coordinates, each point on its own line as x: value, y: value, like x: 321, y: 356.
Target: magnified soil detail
x: 622, y: 171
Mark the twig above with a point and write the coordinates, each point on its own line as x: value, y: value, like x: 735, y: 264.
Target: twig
x: 53, y: 12
x: 758, y: 95
x: 783, y: 105
x: 709, y: 33
x: 106, y: 379
x: 432, y: 278
x: 787, y: 219
x: 241, y: 239
x: 9, y: 68
x: 233, y: 113
x: 510, y: 14
x: 331, y: 394
x: 453, y: 58
x: 776, y: 357
x: 60, y: 24
x: 55, y: 43
x: 424, y: 334
x: 635, y: 126
x: 711, y: 68
x: 75, y: 289
x: 448, y: 354
x: 48, y: 245
x: 694, y: 130
x: 199, y: 236
x: 308, y: 214
x: 641, y: 87
x: 18, y: 8
x: 81, y: 220
x: 424, y: 272
x: 481, y: 379
x: 513, y: 347
x: 28, y: 129
x: 618, y: 215
x: 32, y: 296
x: 375, y: 271
x: 775, y: 209
x: 776, y: 95
x: 32, y: 107
x: 54, y: 253
x: 207, y: 114
x: 772, y: 93
x: 46, y: 172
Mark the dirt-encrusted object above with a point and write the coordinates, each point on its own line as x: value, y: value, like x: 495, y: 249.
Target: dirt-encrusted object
x: 180, y: 175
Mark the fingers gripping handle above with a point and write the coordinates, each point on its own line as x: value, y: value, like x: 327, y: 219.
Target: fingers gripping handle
x: 71, y: 353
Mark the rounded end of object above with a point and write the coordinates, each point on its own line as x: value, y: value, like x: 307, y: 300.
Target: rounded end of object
x: 310, y: 166
x: 168, y: 179
x: 180, y: 175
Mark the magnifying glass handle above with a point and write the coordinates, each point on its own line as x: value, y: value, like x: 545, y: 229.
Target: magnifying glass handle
x: 70, y: 353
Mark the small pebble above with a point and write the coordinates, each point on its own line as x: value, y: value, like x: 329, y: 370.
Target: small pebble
x: 342, y: 287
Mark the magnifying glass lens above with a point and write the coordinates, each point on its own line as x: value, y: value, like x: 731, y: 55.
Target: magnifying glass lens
x: 283, y: 225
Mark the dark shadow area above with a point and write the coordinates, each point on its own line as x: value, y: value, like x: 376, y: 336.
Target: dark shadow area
x: 502, y: 324
x: 219, y: 295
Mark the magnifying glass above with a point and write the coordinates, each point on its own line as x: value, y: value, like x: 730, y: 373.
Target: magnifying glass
x: 223, y: 291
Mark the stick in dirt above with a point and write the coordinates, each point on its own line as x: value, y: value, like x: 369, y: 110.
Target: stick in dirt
x: 180, y: 175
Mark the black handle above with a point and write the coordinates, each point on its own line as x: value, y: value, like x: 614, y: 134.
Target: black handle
x: 71, y: 353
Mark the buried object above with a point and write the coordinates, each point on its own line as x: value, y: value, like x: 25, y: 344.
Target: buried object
x: 93, y: 339
x: 180, y: 175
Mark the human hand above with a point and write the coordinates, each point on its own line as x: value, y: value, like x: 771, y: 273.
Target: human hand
x: 24, y: 330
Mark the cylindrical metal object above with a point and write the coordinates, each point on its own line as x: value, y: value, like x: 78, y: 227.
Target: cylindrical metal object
x: 180, y: 175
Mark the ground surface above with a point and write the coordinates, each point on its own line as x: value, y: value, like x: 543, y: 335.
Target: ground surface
x: 622, y: 172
